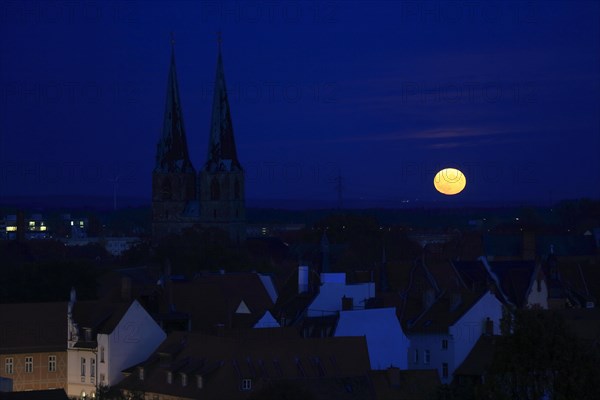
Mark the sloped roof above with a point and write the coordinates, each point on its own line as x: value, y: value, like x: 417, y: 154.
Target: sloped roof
x: 442, y: 314
x: 480, y: 358
x: 515, y: 279
x: 213, y: 299
x: 50, y: 394
x: 223, y: 362
x: 33, y: 327
x: 101, y: 316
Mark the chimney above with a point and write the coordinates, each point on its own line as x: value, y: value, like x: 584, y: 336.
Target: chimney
x: 393, y: 374
x: 489, y: 327
x: 347, y: 303
x: 302, y: 279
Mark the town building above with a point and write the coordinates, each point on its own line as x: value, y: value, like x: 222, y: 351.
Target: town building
x: 212, y: 198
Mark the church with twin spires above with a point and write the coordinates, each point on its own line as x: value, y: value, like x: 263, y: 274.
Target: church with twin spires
x: 212, y: 197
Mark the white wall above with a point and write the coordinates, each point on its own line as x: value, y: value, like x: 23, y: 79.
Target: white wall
x: 538, y: 297
x: 467, y: 330
x: 386, y: 342
x: 132, y: 341
x: 74, y: 384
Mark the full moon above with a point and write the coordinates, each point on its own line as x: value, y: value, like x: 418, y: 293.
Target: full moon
x: 449, y: 181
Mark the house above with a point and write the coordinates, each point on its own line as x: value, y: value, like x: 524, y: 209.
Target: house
x: 387, y: 343
x: 475, y: 367
x: 445, y: 332
x: 33, y: 355
x: 103, y: 339
x: 191, y: 365
x: 215, y: 301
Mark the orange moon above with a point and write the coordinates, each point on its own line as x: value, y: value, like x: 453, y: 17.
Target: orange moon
x: 450, y: 181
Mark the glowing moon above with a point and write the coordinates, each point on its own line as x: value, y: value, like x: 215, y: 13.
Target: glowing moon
x: 450, y: 181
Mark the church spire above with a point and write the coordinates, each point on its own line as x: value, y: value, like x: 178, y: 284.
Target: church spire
x: 172, y: 152
x: 221, y: 146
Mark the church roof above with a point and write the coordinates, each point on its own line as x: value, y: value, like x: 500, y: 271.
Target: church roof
x: 172, y: 150
x: 222, y: 152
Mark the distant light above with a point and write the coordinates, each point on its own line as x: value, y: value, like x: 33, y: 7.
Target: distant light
x: 11, y: 229
x: 516, y: 219
x: 71, y: 223
x: 449, y: 181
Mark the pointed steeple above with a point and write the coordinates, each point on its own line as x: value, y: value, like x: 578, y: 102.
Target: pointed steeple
x: 222, y: 154
x: 172, y: 150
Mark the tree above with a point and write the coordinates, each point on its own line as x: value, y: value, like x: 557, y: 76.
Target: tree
x: 542, y: 358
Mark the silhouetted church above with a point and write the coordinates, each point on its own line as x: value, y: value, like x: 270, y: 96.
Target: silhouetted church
x: 213, y: 197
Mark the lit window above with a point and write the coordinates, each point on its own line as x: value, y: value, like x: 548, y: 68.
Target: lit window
x: 32, y: 224
x: 11, y: 229
x: 51, y: 363
x: 444, y: 344
x: 8, y: 365
x: 427, y: 357
x: 42, y: 228
x: 445, y: 370
x: 246, y: 384
x: 28, y: 364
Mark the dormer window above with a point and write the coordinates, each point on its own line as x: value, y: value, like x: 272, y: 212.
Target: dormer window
x: 87, y: 334
x: 169, y: 377
x: 183, y: 380
x: 246, y: 384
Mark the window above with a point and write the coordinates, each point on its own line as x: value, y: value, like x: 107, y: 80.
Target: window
x: 169, y: 377
x: 8, y: 365
x: 51, y: 363
x: 183, y: 379
x: 445, y: 370
x: 141, y: 373
x: 246, y: 384
x: 28, y: 364
x: 444, y: 344
x: 199, y: 381
x: 82, y: 367
x: 427, y: 357
x: 92, y: 368
x: 416, y: 356
x: 214, y: 189
x: 102, y: 354
x: 102, y: 378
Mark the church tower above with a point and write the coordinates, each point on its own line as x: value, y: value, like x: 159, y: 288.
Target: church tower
x: 174, y: 204
x: 221, y: 179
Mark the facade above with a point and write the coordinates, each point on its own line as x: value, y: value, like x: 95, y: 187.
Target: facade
x: 214, y: 198
x: 33, y: 355
x: 443, y: 336
x: 103, y: 340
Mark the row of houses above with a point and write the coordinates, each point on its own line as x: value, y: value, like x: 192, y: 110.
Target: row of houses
x: 171, y: 336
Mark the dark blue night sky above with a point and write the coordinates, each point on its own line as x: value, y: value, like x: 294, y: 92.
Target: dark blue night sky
x: 383, y: 93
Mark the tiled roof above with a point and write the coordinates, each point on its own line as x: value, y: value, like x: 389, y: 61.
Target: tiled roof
x: 480, y: 358
x: 51, y: 394
x: 100, y: 316
x: 515, y: 279
x: 266, y: 355
x: 33, y: 327
x: 213, y: 300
